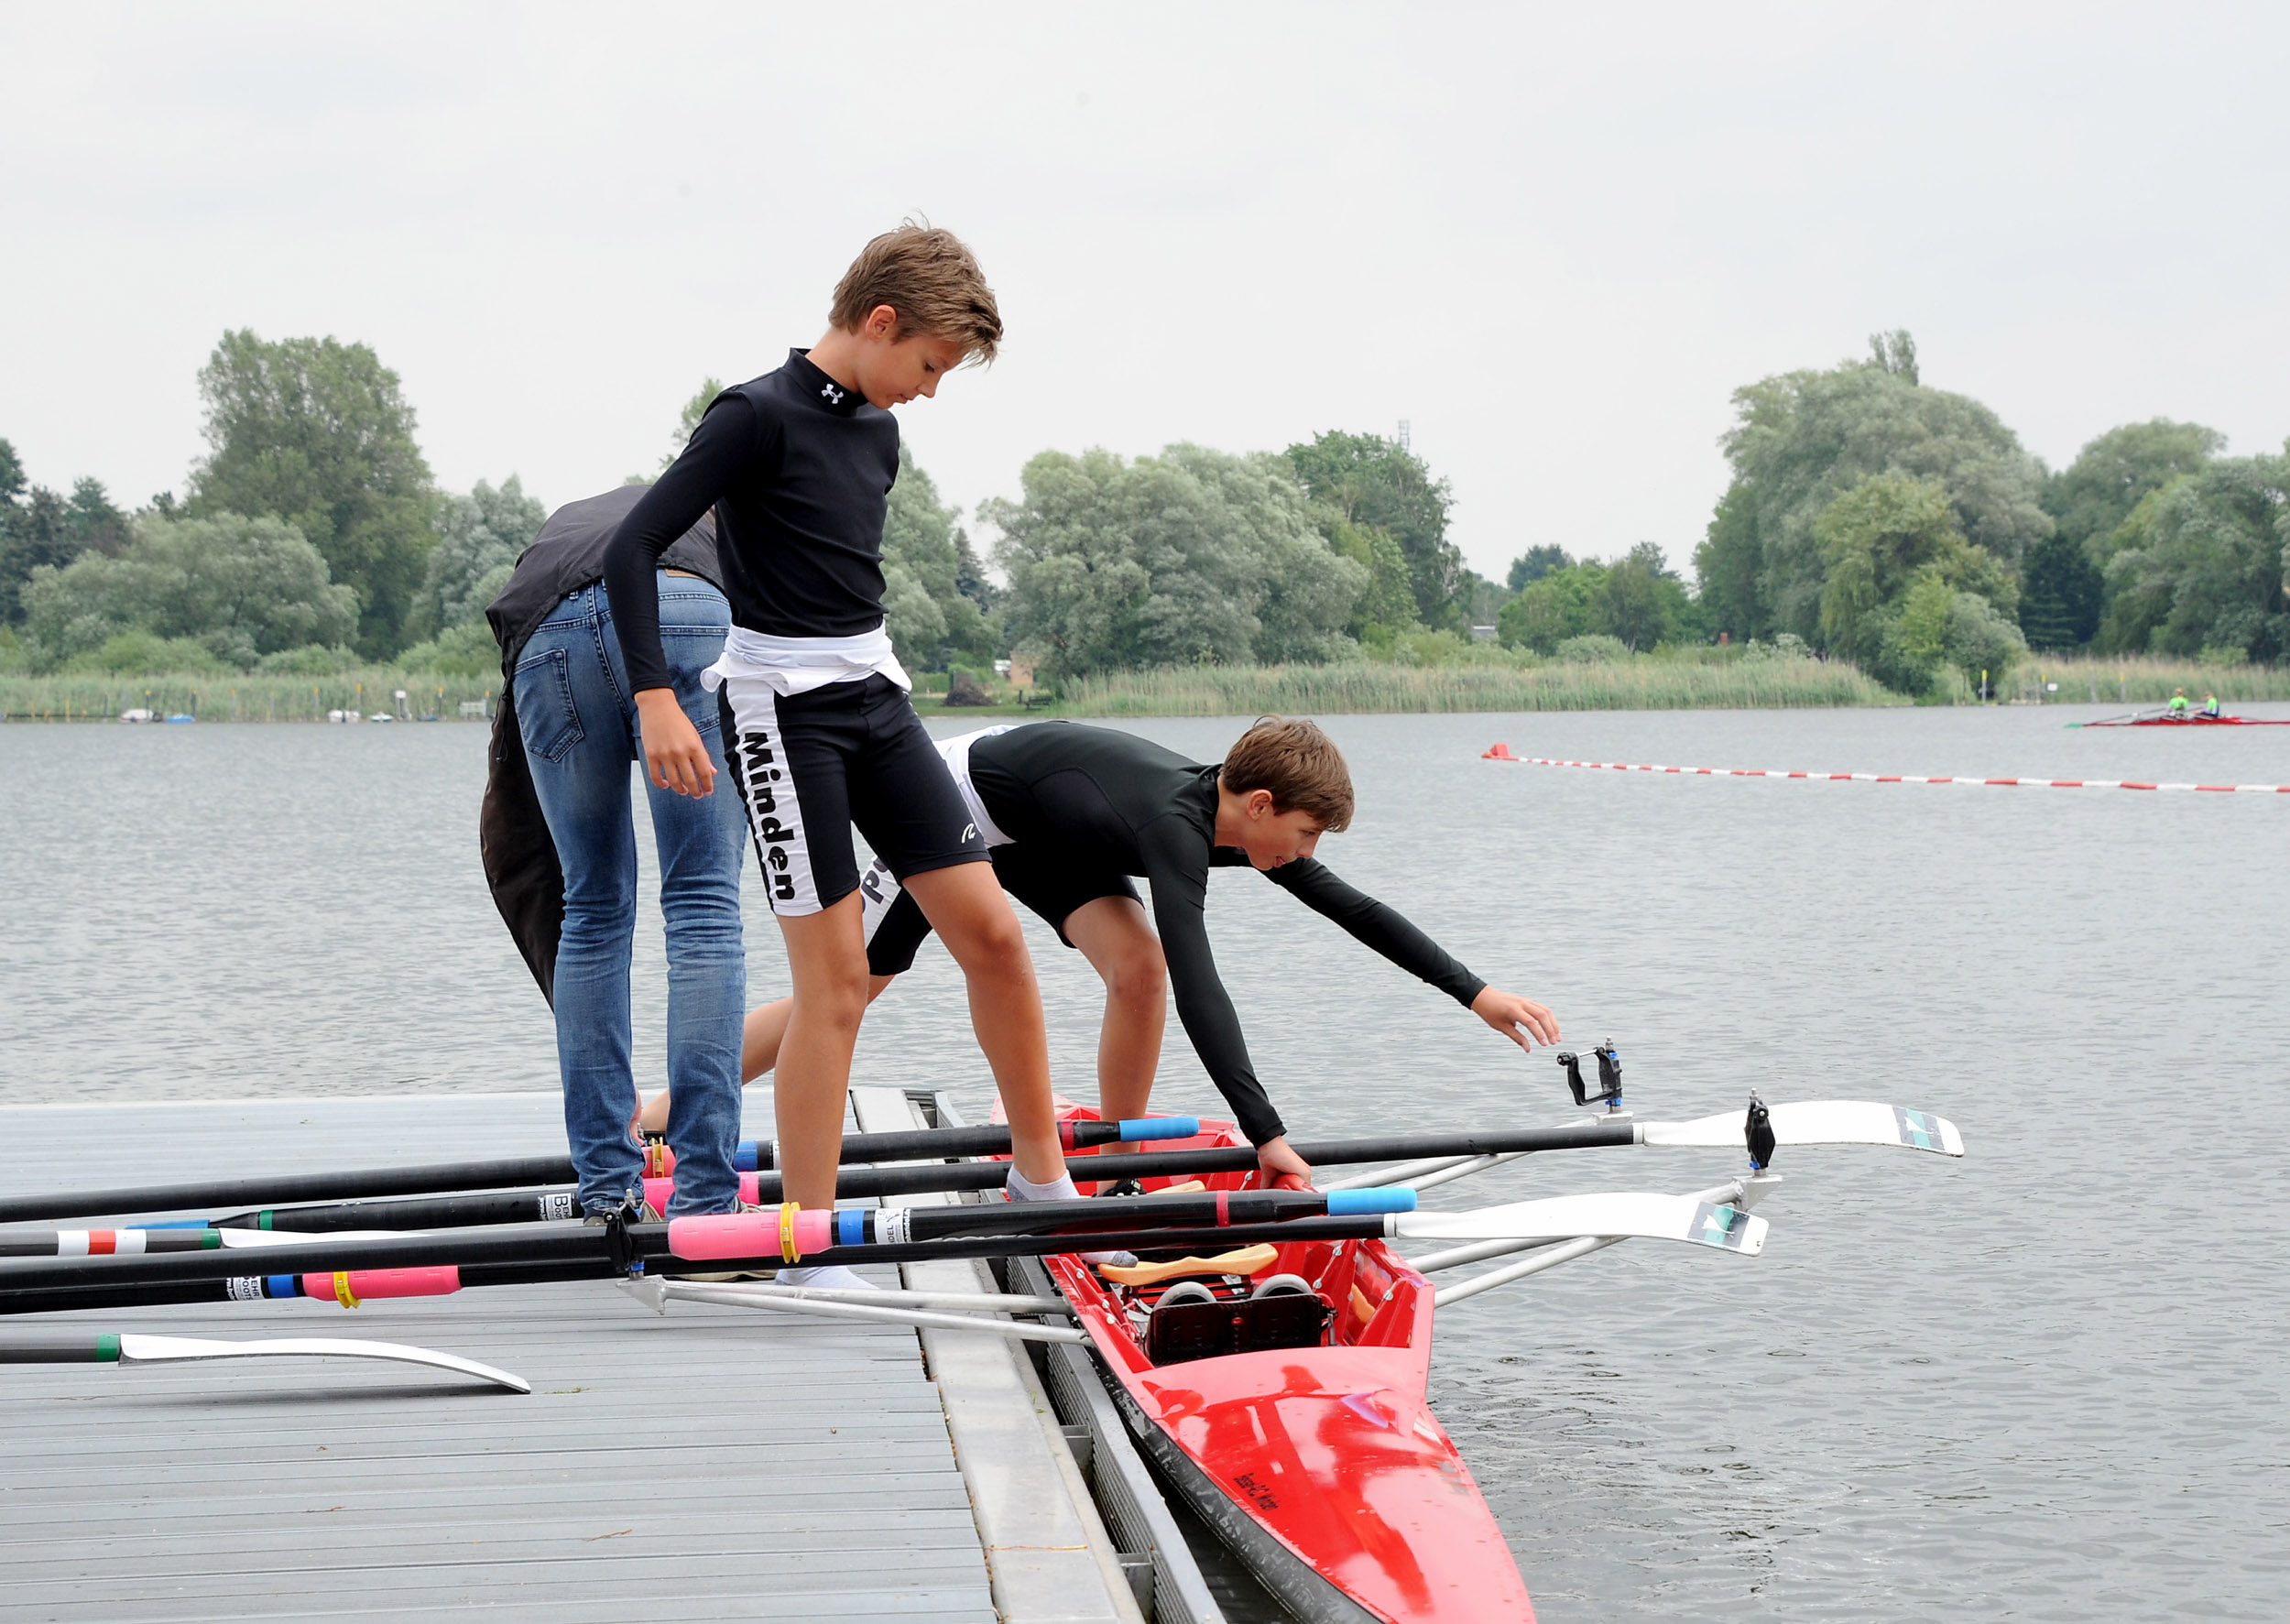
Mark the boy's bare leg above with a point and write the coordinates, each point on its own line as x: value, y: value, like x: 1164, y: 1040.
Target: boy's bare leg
x: 966, y: 907
x: 759, y: 1041
x: 827, y: 956
x: 1115, y: 937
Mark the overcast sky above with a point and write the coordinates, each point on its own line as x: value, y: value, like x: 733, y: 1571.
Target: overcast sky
x: 1554, y: 239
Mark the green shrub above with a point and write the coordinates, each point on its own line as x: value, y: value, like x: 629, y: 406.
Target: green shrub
x: 137, y: 653
x: 1596, y: 649
x: 464, y: 650
x: 312, y: 660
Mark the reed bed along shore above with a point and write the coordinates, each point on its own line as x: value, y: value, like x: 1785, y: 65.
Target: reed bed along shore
x: 1634, y: 685
x: 247, y: 698
x: 2083, y: 680
x: 1644, y: 684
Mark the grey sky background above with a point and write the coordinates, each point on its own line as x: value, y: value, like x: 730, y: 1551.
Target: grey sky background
x: 1556, y: 242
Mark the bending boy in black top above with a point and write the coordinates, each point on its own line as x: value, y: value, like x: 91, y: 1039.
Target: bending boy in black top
x: 1071, y: 812
x: 818, y: 734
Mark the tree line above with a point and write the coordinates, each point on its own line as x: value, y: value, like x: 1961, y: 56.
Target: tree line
x: 1904, y: 528
x: 1869, y: 518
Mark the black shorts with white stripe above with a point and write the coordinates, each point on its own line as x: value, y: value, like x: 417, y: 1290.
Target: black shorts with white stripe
x: 808, y: 767
x: 1049, y: 883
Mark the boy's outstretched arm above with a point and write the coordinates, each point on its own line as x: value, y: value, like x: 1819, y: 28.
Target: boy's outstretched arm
x: 1390, y: 933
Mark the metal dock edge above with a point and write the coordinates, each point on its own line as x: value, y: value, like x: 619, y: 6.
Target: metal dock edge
x: 1128, y: 1496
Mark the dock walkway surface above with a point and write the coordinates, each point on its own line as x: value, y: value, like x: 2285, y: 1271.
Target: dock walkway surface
x: 716, y: 1464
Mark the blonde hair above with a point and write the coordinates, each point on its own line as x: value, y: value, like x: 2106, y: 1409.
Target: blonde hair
x: 932, y: 279
x: 1298, y: 763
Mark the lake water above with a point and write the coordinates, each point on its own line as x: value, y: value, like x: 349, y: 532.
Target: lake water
x: 2046, y: 1382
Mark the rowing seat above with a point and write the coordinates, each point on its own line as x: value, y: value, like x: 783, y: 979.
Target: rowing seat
x: 1182, y: 1330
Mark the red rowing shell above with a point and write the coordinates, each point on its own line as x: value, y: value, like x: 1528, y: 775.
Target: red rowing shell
x: 1333, y: 1450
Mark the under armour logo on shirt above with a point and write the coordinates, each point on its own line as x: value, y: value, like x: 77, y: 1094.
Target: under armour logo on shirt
x: 831, y: 395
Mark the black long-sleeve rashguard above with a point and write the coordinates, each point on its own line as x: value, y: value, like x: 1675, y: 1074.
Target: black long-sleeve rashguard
x: 1098, y: 796
x: 798, y: 470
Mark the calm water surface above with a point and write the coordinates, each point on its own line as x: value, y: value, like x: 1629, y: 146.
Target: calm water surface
x: 2046, y: 1382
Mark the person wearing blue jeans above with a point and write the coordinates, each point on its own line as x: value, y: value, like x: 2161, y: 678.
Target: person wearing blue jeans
x: 576, y: 720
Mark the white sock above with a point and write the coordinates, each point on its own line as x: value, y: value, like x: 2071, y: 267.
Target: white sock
x: 831, y: 1277
x: 1060, y: 1188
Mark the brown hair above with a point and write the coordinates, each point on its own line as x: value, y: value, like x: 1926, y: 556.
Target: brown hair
x: 931, y: 279
x: 1298, y: 763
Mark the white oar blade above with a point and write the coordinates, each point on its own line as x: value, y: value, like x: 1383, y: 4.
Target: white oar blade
x: 259, y: 1239
x: 1821, y: 1122
x: 1563, y: 1217
x: 135, y: 1349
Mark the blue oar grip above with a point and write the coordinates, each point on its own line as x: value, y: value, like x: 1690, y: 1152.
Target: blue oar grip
x: 1361, y: 1203
x: 1137, y: 1130
x: 743, y: 1158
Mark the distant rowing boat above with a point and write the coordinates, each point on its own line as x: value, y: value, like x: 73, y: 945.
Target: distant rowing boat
x: 2182, y: 719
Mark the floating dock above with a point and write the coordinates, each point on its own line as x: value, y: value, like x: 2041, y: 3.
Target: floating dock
x: 718, y: 1463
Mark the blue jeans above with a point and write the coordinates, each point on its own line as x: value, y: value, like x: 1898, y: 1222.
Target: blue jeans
x: 578, y: 719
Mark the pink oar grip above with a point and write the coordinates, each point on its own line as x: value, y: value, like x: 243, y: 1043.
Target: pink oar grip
x: 725, y: 1235
x: 658, y: 1191
x: 744, y: 1235
x: 365, y: 1283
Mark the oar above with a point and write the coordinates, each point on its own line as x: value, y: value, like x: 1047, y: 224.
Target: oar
x: 435, y: 1264
x: 134, y: 1243
x: 930, y: 1143
x: 793, y: 1234
x: 132, y: 1348
x: 1820, y: 1122
x: 1811, y: 1122
x: 291, y: 1189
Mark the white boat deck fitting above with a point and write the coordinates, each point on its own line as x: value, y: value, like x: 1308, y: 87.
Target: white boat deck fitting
x: 715, y: 1463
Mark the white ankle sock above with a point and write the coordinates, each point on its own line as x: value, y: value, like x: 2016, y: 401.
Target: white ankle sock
x: 831, y: 1277
x: 1060, y: 1188
x: 1022, y: 1188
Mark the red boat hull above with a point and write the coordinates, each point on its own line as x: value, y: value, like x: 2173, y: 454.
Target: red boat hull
x: 1333, y: 1450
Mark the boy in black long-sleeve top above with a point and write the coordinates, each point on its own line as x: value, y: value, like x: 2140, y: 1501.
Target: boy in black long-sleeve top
x: 818, y: 731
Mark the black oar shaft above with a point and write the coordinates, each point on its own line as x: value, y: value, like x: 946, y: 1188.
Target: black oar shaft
x: 149, y: 1290
x: 1078, y: 1218
x: 288, y: 1190
x: 517, y: 1244
x: 282, y: 1191
x: 426, y: 1212
x: 855, y: 1182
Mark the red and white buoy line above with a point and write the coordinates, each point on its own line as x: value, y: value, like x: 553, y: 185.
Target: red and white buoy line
x: 1502, y: 752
